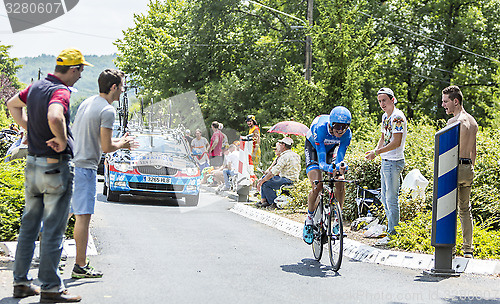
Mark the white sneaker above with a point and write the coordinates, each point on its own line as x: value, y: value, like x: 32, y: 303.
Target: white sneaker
x: 383, y: 241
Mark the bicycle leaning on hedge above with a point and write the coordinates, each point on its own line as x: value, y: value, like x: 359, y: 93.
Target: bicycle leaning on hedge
x: 327, y: 223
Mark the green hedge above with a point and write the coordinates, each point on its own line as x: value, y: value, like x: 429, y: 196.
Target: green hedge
x: 11, y: 199
x: 415, y: 235
x: 485, y: 195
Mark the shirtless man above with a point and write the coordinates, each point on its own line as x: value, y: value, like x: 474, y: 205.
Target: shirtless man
x: 452, y: 103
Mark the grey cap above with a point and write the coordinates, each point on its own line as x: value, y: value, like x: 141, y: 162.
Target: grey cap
x: 387, y: 91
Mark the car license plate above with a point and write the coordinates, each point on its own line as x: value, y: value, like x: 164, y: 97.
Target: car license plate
x: 158, y: 179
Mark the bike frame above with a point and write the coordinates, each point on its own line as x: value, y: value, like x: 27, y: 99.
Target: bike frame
x: 324, y: 227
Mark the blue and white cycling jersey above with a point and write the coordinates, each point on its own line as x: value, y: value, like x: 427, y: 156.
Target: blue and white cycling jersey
x: 323, y: 142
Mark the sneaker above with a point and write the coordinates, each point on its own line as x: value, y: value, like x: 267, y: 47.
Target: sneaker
x: 86, y: 271
x: 307, y: 234
x: 468, y: 255
x: 383, y: 241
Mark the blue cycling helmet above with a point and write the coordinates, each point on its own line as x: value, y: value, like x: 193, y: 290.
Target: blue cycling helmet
x: 340, y: 114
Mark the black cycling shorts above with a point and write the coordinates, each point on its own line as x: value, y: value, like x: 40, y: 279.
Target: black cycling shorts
x: 312, y: 156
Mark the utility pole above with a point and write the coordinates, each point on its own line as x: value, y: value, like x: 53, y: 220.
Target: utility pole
x: 308, y: 63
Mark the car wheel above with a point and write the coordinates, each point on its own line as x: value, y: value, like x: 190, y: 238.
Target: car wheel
x: 192, y: 200
x: 113, y: 196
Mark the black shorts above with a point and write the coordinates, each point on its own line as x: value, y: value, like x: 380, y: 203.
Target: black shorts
x: 312, y: 156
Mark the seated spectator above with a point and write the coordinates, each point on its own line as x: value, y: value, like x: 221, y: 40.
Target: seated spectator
x: 277, y: 153
x: 284, y: 172
x: 231, y: 162
x: 218, y: 173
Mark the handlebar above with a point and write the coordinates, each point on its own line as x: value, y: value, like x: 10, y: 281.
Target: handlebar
x: 356, y: 182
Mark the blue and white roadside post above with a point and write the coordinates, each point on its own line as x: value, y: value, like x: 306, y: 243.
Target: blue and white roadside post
x: 444, y: 202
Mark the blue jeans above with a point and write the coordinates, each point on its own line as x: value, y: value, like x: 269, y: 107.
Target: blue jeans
x: 48, y: 189
x: 390, y: 172
x: 227, y: 173
x: 268, y: 189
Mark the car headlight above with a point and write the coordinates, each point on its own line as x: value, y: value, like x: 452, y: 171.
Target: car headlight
x: 190, y: 171
x: 123, y: 167
x: 121, y: 160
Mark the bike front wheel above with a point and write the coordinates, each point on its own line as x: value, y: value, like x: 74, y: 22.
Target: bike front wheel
x: 335, y: 233
x: 318, y: 231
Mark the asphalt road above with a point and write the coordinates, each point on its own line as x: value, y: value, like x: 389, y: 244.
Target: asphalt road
x: 157, y: 251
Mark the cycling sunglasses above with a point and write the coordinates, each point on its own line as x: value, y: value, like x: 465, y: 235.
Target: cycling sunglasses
x: 340, y: 126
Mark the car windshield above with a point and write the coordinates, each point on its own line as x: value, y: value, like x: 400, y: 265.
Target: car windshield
x: 159, y: 143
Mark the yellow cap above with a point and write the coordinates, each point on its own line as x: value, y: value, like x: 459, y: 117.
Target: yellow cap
x: 71, y: 57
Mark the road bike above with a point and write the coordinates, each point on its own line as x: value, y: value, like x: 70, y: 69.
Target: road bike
x: 327, y: 223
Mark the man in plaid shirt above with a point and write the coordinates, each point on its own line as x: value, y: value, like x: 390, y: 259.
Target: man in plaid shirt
x: 284, y: 172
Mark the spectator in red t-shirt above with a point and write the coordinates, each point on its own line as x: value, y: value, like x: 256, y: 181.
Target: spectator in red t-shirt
x: 215, y: 149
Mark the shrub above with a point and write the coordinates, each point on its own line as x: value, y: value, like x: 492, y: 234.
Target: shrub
x: 11, y: 199
x: 368, y: 175
x: 410, y: 207
x: 415, y: 235
x: 486, y: 242
x: 299, y: 194
x: 485, y: 196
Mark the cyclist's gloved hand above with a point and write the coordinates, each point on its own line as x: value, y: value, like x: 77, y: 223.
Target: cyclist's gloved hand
x: 342, y: 165
x: 325, y: 167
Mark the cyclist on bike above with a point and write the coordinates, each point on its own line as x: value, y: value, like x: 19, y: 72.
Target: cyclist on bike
x: 325, y: 148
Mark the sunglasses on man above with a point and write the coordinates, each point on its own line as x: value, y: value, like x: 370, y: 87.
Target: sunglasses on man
x: 340, y: 126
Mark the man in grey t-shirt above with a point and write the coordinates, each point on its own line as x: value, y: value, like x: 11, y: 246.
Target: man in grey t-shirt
x: 93, y: 129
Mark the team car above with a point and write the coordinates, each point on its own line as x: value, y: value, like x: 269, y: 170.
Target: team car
x: 160, y: 165
x: 116, y: 133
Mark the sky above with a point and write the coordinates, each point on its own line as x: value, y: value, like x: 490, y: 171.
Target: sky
x: 91, y: 26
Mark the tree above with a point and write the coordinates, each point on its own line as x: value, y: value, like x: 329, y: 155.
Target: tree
x: 7, y: 89
x: 344, y: 56
x: 181, y: 46
x: 8, y: 65
x: 433, y: 44
x: 9, y: 84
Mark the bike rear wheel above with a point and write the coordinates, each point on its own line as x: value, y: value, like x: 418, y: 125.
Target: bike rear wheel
x: 318, y: 231
x: 335, y: 233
